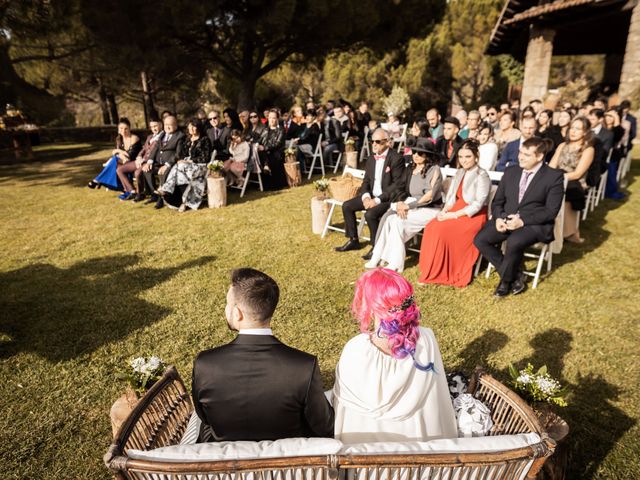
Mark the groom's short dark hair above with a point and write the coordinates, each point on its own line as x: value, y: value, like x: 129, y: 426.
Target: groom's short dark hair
x: 256, y: 292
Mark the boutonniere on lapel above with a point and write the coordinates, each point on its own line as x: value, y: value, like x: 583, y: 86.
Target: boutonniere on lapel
x: 388, y: 169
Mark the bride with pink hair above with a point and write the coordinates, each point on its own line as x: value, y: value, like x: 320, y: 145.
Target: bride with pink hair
x: 390, y: 381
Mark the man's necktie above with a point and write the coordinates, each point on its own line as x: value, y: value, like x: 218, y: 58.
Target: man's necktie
x: 523, y: 185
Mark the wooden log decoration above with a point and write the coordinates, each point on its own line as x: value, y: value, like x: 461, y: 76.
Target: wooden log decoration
x: 294, y: 178
x: 319, y: 214
x: 121, y: 409
x: 351, y: 159
x: 217, y: 191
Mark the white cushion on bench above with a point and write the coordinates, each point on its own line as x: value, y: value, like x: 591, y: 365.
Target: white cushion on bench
x: 241, y: 450
x: 495, y: 443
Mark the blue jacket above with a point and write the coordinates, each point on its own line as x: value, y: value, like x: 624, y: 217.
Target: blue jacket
x: 509, y: 155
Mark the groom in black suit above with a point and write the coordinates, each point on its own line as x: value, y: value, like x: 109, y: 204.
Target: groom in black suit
x: 257, y: 388
x: 524, y: 211
x: 384, y: 176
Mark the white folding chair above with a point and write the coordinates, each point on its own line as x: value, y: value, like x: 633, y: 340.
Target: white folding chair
x: 345, y: 136
x: 253, y: 167
x: 356, y: 173
x: 365, y: 145
x: 592, y: 193
x: 317, y: 155
x: 402, y: 139
x: 624, y: 166
x: 546, y: 250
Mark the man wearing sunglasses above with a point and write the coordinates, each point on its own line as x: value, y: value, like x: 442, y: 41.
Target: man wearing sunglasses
x: 384, y: 175
x: 218, y: 136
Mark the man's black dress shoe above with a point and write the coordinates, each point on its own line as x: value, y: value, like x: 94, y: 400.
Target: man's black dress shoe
x: 368, y: 255
x: 138, y: 198
x: 502, y: 290
x: 152, y: 199
x: 352, y: 244
x: 159, y: 204
x: 518, y: 286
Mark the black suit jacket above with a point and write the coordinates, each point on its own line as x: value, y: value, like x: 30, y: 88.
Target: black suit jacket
x: 541, y: 202
x: 442, y: 148
x: 392, y: 176
x: 220, y: 144
x: 257, y: 388
x: 167, y: 153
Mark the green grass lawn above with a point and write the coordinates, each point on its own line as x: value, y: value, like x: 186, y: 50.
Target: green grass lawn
x: 87, y: 282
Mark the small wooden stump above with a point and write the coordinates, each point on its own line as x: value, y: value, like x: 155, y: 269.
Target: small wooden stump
x: 319, y: 214
x: 294, y: 178
x: 121, y: 409
x: 351, y: 159
x: 555, y: 468
x: 217, y: 188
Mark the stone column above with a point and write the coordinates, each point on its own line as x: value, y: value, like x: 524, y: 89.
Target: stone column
x: 537, y: 63
x: 630, y: 78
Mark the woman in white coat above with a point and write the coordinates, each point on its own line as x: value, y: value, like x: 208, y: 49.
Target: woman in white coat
x: 390, y: 380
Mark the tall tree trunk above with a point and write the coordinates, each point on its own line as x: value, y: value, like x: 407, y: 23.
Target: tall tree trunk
x: 149, y: 107
x: 113, y: 108
x: 246, y: 95
x: 104, y: 107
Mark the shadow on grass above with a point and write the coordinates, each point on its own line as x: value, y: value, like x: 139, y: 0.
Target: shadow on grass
x: 62, y: 313
x: 70, y: 169
x: 596, y: 424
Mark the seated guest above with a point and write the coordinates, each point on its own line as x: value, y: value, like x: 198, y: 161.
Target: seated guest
x: 393, y: 125
x: 384, y: 175
x: 331, y: 135
x: 488, y: 149
x: 271, y: 150
x: 166, y: 152
x: 256, y: 387
x: 602, y: 144
x: 473, y: 124
x: 463, y: 118
x: 492, y: 117
x: 342, y: 118
x: 564, y: 119
x: 188, y: 178
x: 232, y: 119
x: 506, y: 131
x: 308, y: 139
x: 613, y: 124
x: 253, y: 133
x: 244, y: 118
x: 125, y: 170
x: 363, y: 117
x: 510, y: 152
x: 127, y: 148
x: 575, y: 156
x: 435, y: 127
x: 447, y: 254
x: 524, y: 212
x: 239, y: 152
x: 218, y: 136
x: 390, y: 380
x: 449, y: 143
x: 419, y: 129
x: 294, y: 126
x: 410, y: 211
x: 353, y: 127
x: 546, y: 129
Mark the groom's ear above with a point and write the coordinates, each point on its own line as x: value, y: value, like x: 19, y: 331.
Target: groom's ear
x: 237, y: 314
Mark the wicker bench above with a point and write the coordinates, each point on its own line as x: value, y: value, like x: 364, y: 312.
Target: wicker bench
x: 161, y: 417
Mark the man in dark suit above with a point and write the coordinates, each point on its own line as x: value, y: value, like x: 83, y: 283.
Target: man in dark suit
x: 603, y: 143
x: 625, y: 107
x: 449, y: 143
x: 256, y: 387
x: 218, y: 136
x: 383, y: 177
x: 511, y: 152
x: 524, y: 211
x: 163, y: 157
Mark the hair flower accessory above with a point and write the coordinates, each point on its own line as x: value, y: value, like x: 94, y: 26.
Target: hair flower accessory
x: 406, y: 303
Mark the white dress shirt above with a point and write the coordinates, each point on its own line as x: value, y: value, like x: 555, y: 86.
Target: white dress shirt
x: 377, y: 179
x: 255, y: 331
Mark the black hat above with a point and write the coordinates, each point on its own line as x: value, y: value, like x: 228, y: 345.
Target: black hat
x: 424, y: 145
x: 452, y: 120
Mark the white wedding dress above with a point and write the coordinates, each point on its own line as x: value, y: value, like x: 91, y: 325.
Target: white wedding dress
x: 378, y: 398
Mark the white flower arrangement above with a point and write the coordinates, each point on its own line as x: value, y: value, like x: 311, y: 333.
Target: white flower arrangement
x: 538, y: 386
x: 215, y: 166
x: 143, y: 372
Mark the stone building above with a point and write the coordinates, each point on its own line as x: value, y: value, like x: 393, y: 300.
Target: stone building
x: 534, y: 30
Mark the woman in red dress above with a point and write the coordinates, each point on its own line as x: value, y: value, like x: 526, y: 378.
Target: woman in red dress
x: 447, y: 254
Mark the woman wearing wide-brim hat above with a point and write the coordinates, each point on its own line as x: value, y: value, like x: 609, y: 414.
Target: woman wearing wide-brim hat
x: 414, y: 206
